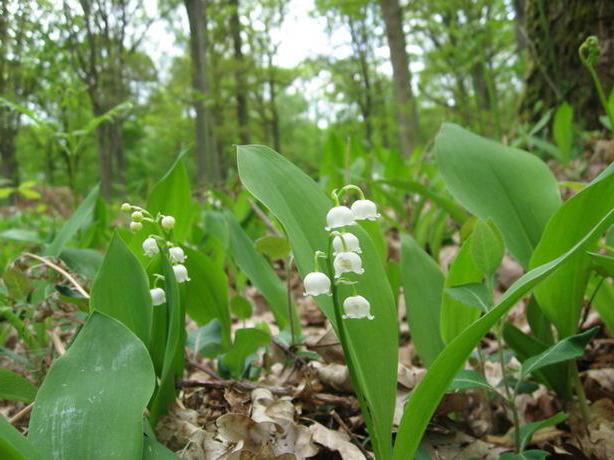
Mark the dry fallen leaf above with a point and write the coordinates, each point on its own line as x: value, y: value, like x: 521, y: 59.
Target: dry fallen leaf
x: 336, y: 441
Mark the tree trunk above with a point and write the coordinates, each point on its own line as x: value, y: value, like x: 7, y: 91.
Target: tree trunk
x: 407, y: 113
x: 241, y: 87
x: 9, y: 169
x: 555, y: 29
x: 207, y: 167
x: 105, y: 156
x: 359, y: 43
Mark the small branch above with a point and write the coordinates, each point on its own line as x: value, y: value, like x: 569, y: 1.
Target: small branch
x: 347, y: 429
x: 264, y: 218
x: 61, y: 271
x: 21, y: 414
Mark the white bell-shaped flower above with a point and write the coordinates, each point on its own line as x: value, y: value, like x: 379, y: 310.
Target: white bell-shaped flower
x: 364, y: 210
x: 167, y: 222
x: 158, y: 296
x: 176, y: 255
x: 347, y: 262
x: 136, y: 227
x: 150, y: 247
x: 338, y: 217
x: 357, y: 307
x: 126, y: 207
x: 316, y: 283
x: 351, y: 244
x: 181, y: 273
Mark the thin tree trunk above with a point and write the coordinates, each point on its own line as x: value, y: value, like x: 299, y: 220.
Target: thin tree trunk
x: 241, y: 87
x: 207, y: 168
x: 407, y: 113
x: 366, y: 106
x: 9, y: 169
x: 104, y: 160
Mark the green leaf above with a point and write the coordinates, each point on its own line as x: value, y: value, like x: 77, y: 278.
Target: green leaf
x: 487, y: 247
x: 604, y: 265
x: 172, y: 196
x: 565, y: 350
x: 85, y: 262
x: 560, y: 296
x: 525, y: 346
x: 603, y: 301
x: 426, y: 396
x: 20, y: 235
x: 472, y: 295
x: 15, y: 446
x: 423, y: 287
x: 14, y: 387
x: 206, y: 340
x: 241, y: 307
x: 455, y: 315
x: 527, y: 431
x: 467, y: 379
x: 206, y: 295
x: 260, y: 273
x: 562, y: 130
x: 92, y: 400
x: 171, y: 331
x: 80, y: 217
x: 513, y: 188
x: 247, y: 342
x: 274, y: 247
x: 372, y: 348
x: 17, y: 284
x: 153, y: 450
x: 121, y: 290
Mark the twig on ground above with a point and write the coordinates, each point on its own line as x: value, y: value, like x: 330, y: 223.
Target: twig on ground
x: 61, y: 271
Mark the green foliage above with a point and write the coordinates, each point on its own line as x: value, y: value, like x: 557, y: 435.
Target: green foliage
x: 562, y: 131
x: 106, y: 378
x: 247, y: 342
x: 13, y: 446
x: 487, y: 248
x: 14, y: 387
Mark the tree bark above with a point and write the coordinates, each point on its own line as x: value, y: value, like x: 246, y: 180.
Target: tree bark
x: 241, y: 87
x: 207, y: 166
x: 105, y: 156
x: 407, y: 113
x: 555, y: 29
x: 8, y: 151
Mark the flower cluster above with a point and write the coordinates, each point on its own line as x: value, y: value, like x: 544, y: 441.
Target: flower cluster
x: 346, y: 252
x: 154, y: 242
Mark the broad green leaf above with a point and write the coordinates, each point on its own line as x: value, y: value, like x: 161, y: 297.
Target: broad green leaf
x: 92, y: 400
x: 513, y: 188
x: 172, y: 195
x: 206, y: 340
x: 80, y: 217
x: 603, y: 302
x: 423, y: 287
x: 560, y: 297
x: 527, y: 431
x: 85, y: 262
x: 456, y: 316
x: 602, y: 264
x: 241, y: 307
x: 426, y: 396
x: 487, y: 247
x: 525, y: 346
x: 206, y: 295
x: 18, y: 285
x: 121, y: 290
x: 467, y: 379
x: 565, y: 350
x: 15, y: 446
x: 153, y: 450
x: 471, y: 294
x: 174, y: 339
x: 259, y: 272
x: 562, y: 130
x: 274, y: 247
x: 247, y: 342
x: 21, y: 235
x: 14, y: 387
x: 372, y: 348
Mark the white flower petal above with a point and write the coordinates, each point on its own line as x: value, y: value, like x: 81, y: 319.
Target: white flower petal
x: 181, y: 273
x: 347, y: 262
x: 352, y: 244
x: 357, y: 307
x: 176, y: 255
x: 150, y: 247
x: 339, y: 216
x: 158, y: 296
x: 317, y: 283
x: 364, y: 210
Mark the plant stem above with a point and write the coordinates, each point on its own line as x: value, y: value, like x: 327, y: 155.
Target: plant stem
x: 584, y: 409
x: 293, y: 340
x: 511, y: 397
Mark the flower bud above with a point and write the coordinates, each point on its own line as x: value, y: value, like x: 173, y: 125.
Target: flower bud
x: 351, y: 244
x: 176, y: 255
x: 347, y: 262
x: 136, y: 227
x: 150, y: 247
x: 137, y: 216
x: 364, y: 210
x: 158, y: 296
x: 339, y: 216
x: 316, y: 283
x: 167, y: 222
x: 126, y: 207
x: 357, y: 307
x: 181, y: 273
